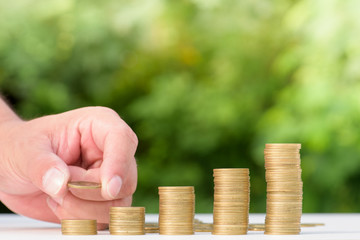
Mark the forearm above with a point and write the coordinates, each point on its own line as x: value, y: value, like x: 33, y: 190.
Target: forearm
x: 6, y: 113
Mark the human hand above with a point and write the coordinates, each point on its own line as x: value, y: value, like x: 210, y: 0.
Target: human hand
x: 40, y: 156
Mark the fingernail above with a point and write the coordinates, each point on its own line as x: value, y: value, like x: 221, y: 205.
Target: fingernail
x: 114, y: 186
x: 53, y: 180
x: 52, y: 204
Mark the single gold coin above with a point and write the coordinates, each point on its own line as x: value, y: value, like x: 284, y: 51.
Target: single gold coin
x: 84, y: 185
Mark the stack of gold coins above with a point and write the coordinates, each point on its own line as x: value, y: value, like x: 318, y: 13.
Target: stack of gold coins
x: 78, y: 227
x: 127, y: 221
x: 284, y: 189
x: 231, y: 201
x: 176, y: 210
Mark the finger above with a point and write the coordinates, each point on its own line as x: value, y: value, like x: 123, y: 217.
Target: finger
x: 75, y: 208
x: 119, y: 151
x: 53, y: 205
x: 93, y: 175
x: 130, y: 181
x: 117, y: 142
x: 90, y: 175
x: 49, y: 173
x: 33, y: 206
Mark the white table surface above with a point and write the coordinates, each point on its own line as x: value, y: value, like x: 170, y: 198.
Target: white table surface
x: 337, y: 226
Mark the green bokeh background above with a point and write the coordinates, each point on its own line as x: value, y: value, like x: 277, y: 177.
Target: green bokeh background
x: 203, y: 83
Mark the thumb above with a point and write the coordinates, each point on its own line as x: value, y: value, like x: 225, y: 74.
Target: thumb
x: 49, y: 173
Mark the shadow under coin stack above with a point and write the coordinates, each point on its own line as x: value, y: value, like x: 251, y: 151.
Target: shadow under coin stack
x: 78, y: 227
x: 231, y: 201
x: 127, y: 221
x: 176, y: 210
x: 284, y: 189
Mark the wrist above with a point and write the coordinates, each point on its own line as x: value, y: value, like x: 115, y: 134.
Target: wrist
x: 7, y: 114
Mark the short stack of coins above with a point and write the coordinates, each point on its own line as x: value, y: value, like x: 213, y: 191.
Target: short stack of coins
x: 78, y: 227
x: 176, y: 210
x: 284, y: 189
x: 127, y: 221
x: 231, y: 201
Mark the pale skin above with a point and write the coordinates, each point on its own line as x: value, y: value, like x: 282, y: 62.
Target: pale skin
x: 39, y: 157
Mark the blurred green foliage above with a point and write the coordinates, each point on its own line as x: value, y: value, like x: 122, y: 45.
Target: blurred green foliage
x: 203, y: 83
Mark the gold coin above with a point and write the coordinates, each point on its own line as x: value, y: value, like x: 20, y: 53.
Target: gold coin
x: 84, y: 185
x: 231, y: 201
x: 176, y: 189
x: 127, y: 221
x: 78, y: 222
x: 283, y: 145
x: 312, y: 224
x: 78, y: 227
x: 284, y: 188
x: 176, y: 210
x: 151, y: 229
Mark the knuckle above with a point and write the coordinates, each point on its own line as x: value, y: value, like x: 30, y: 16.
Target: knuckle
x: 128, y: 133
x: 118, y: 125
x: 106, y: 110
x: 99, y: 111
x: 122, y: 128
x: 131, y: 135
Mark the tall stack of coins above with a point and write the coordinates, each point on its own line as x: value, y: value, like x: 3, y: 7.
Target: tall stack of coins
x: 176, y: 210
x: 78, y: 227
x: 127, y: 221
x: 284, y: 189
x: 231, y: 201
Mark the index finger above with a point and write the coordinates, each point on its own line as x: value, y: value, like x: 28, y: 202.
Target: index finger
x: 119, y: 151
x: 118, y: 144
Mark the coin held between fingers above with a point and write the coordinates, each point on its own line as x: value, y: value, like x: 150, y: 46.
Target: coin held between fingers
x: 84, y: 185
